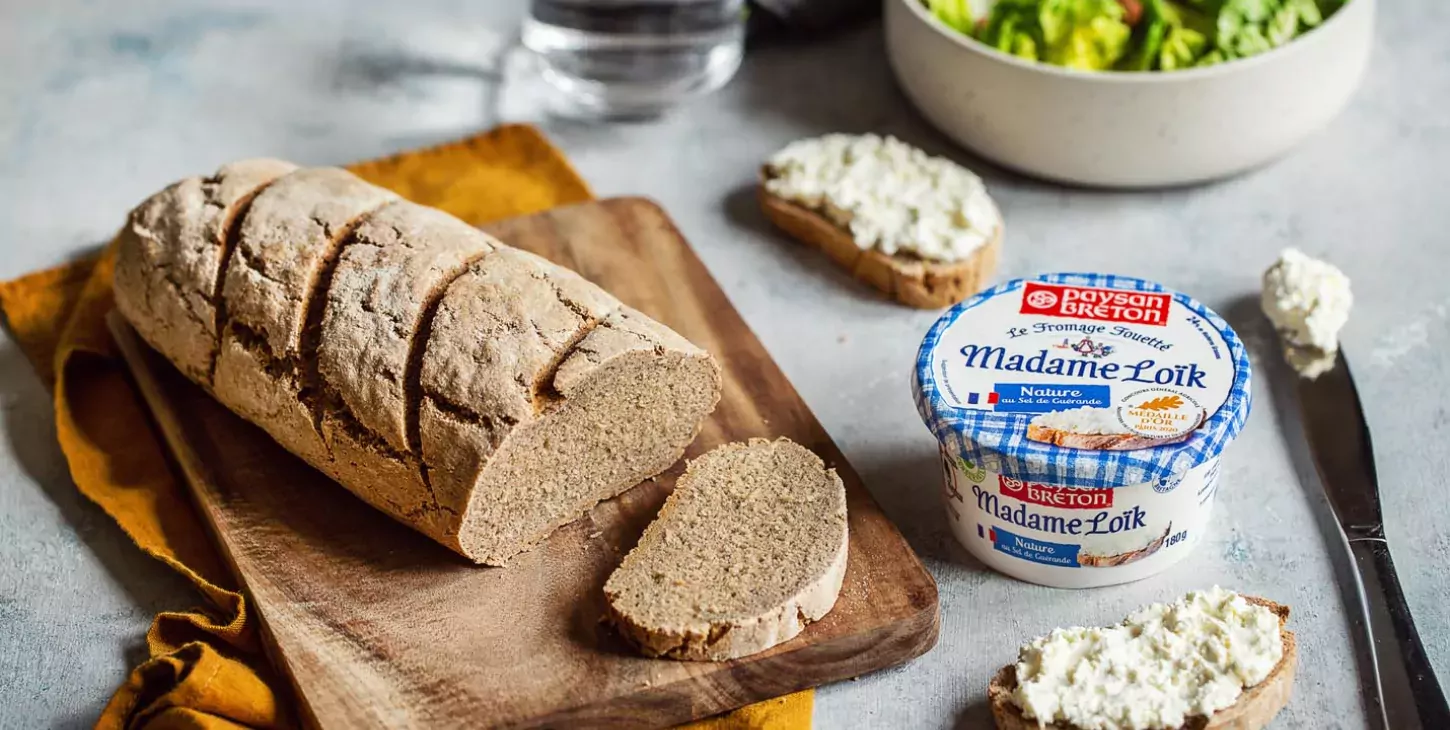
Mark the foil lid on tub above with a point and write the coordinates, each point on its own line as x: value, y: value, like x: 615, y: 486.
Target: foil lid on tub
x: 1083, y: 380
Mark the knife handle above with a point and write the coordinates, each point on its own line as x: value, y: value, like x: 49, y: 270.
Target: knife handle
x: 1410, y: 696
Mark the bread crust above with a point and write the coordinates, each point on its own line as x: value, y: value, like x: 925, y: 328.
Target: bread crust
x: 289, y: 239
x: 399, y: 263
x: 1255, y: 708
x: 171, y: 257
x: 287, y: 244
x: 909, y: 280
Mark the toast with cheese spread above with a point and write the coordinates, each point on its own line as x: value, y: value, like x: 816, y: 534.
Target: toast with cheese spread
x: 1254, y: 708
x: 910, y: 280
x: 922, y: 229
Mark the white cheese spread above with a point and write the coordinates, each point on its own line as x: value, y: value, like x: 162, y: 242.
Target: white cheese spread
x: 1086, y: 420
x: 891, y: 196
x: 1162, y: 665
x: 1308, y: 301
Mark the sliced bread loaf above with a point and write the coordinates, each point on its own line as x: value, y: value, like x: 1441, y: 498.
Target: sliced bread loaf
x: 749, y: 548
x: 478, y: 393
x: 1254, y: 709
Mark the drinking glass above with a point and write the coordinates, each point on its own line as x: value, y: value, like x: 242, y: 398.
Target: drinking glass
x: 633, y: 58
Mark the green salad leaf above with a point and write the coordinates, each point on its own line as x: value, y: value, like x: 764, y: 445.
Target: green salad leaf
x: 1013, y: 28
x: 1084, y: 34
x: 1167, y: 35
x: 1181, y: 49
x: 1211, y: 58
x: 1153, y: 26
x: 1283, y: 26
x: 957, y: 14
x: 1248, y: 27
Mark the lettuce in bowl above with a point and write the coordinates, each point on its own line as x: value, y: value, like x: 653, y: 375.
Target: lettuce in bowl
x: 1134, y: 35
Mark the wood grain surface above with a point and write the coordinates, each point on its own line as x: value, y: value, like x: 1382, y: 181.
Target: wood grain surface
x: 377, y: 626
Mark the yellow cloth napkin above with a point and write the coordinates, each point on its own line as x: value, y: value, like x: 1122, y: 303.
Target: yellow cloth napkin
x: 207, y: 670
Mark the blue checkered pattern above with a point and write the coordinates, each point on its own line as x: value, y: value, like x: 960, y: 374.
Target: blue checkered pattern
x: 998, y: 441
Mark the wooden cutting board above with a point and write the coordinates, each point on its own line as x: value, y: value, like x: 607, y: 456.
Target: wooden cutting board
x: 377, y: 626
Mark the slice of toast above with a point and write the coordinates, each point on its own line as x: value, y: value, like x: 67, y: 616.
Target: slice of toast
x: 907, y: 279
x: 1255, y: 708
x: 1098, y: 441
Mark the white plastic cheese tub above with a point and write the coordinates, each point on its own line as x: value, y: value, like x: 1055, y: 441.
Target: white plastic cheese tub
x: 1081, y: 419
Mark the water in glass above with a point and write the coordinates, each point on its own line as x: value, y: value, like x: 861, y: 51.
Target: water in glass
x: 631, y: 58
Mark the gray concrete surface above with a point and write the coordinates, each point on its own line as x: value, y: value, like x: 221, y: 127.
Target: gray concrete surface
x: 99, y: 108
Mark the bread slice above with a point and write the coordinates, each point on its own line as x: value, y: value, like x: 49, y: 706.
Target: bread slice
x: 749, y: 548
x: 1255, y: 708
x: 907, y: 279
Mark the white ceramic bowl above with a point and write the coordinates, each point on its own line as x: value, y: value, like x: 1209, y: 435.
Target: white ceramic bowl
x: 1128, y: 129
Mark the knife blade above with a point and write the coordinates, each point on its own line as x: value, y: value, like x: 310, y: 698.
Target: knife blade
x: 1409, y: 695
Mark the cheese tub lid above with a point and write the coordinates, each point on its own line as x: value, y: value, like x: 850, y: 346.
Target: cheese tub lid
x: 1083, y: 380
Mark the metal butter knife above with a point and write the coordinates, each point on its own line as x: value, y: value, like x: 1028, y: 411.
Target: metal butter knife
x: 1409, y: 695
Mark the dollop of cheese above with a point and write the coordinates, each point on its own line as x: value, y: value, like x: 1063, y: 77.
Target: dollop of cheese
x: 1086, y: 419
x: 1308, y: 301
x: 891, y: 196
x: 1162, y: 665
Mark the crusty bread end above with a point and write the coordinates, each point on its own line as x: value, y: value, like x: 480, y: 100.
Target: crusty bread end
x: 1255, y: 708
x: 909, y: 280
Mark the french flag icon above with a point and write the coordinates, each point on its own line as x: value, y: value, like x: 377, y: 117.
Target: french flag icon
x: 976, y: 398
